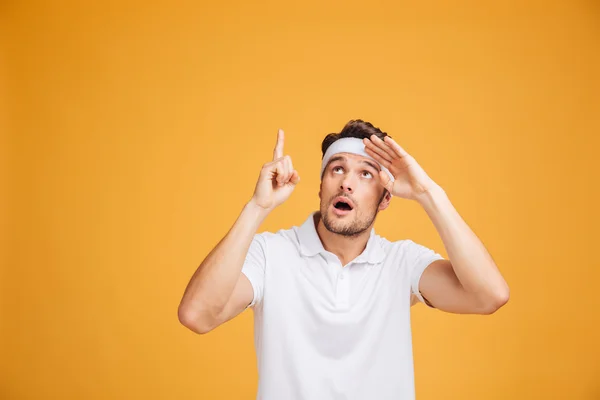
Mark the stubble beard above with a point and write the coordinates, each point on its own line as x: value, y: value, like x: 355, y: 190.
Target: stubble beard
x: 348, y: 228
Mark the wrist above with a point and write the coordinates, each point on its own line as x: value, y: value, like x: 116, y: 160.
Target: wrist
x: 431, y: 196
x: 255, y: 209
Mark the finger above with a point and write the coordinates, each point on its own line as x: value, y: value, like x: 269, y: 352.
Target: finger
x: 385, y: 180
x: 278, y: 152
x: 295, y: 178
x: 396, y: 147
x: 383, y: 161
x: 274, y: 170
x: 383, y: 149
x: 290, y: 167
x: 287, y: 167
x: 278, y: 169
x: 283, y: 171
x: 379, y: 151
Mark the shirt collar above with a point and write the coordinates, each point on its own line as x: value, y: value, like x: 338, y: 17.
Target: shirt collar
x: 310, y: 243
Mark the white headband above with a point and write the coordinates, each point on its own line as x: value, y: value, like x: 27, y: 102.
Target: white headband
x: 349, y: 145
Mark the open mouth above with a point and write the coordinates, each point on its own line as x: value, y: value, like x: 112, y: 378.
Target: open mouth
x: 343, y: 205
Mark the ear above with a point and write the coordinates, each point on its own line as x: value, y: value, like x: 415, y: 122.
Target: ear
x: 385, y: 202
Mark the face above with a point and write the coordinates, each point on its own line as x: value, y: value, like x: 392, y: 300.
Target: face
x: 353, y: 180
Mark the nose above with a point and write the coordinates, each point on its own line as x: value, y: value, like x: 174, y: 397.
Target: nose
x: 346, y: 184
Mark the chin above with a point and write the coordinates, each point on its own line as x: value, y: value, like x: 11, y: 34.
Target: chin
x: 343, y: 225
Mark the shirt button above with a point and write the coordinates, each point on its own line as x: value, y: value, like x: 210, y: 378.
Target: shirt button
x: 342, y: 276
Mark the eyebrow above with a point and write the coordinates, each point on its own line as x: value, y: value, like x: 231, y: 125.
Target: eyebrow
x: 342, y: 158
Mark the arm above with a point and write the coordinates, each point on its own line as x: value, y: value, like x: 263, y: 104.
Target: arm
x: 218, y: 291
x: 469, y: 282
x: 206, y: 300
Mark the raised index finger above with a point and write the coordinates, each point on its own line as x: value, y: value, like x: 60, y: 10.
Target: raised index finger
x: 278, y: 152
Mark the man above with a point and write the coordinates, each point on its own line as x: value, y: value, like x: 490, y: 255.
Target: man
x: 331, y: 298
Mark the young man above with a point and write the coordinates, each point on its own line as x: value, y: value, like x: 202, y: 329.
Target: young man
x: 331, y: 298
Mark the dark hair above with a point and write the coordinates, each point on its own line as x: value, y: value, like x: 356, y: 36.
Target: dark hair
x: 356, y: 128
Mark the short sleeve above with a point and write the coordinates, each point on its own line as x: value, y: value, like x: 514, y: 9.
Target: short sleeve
x: 419, y: 257
x: 254, y: 267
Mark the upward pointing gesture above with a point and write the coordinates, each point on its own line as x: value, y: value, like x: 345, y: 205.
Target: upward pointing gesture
x: 277, y: 178
x: 278, y: 152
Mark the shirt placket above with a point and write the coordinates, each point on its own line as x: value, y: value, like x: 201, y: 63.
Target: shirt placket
x: 343, y: 288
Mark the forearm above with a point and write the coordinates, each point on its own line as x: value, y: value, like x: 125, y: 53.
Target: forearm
x: 214, y: 280
x: 472, y: 263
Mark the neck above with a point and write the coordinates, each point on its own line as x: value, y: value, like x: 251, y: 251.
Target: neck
x: 346, y: 248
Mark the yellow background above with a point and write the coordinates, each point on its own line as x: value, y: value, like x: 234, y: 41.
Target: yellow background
x: 133, y: 134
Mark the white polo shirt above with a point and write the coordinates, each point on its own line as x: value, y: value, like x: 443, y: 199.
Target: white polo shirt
x: 323, y: 331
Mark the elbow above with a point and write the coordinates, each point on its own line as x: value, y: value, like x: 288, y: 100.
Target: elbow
x: 193, y: 320
x: 497, y: 300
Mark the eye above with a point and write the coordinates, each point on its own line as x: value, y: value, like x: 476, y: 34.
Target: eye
x: 335, y: 168
x: 367, y: 172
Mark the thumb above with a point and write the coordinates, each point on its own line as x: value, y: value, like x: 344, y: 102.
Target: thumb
x: 386, y: 181
x: 295, y: 178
